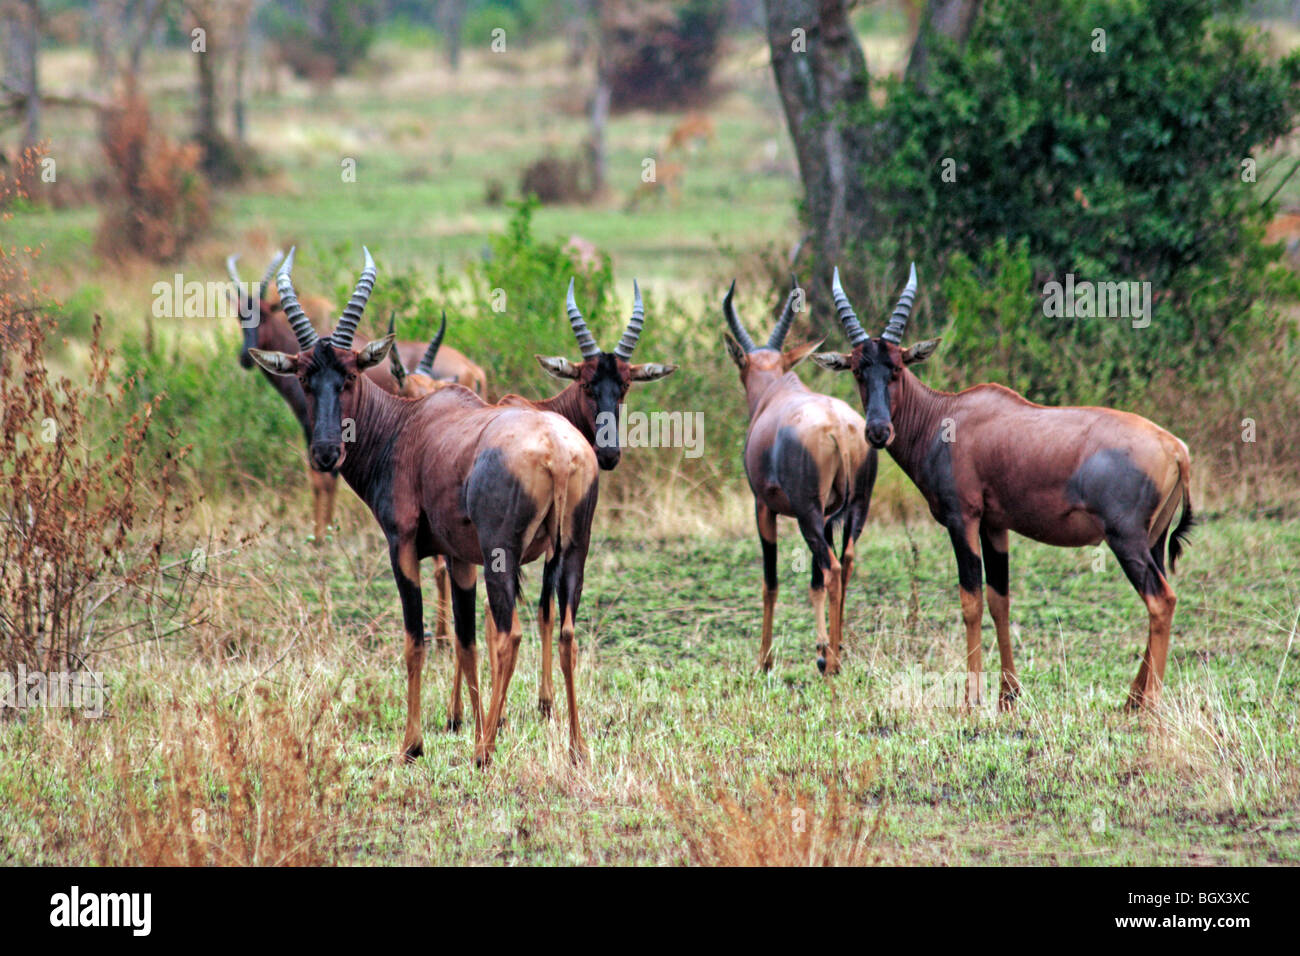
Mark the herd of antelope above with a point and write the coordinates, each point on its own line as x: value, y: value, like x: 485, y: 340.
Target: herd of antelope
x: 471, y: 483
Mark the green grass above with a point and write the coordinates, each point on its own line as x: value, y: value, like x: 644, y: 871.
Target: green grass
x: 674, y: 711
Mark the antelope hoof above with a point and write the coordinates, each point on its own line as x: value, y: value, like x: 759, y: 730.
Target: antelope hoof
x: 1007, y: 703
x: 482, y: 761
x: 411, y: 752
x: 579, y: 755
x: 454, y: 724
x: 545, y: 707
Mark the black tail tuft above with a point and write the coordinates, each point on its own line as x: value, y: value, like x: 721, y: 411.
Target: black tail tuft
x: 1185, y: 524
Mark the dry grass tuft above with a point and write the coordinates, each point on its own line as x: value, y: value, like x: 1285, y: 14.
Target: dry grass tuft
x: 768, y: 827
x: 253, y: 783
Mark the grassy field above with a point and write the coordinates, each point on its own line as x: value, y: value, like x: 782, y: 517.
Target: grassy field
x: 268, y: 733
x: 265, y: 730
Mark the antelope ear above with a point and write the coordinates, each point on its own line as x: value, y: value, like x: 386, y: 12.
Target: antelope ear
x: 736, y: 350
x: 558, y: 366
x: 834, y: 361
x: 398, y: 369
x: 797, y: 354
x: 277, y: 363
x: 650, y: 372
x: 920, y: 351
x: 374, y: 352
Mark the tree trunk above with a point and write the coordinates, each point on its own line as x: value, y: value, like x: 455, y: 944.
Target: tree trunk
x: 820, y: 69
x: 205, y: 130
x: 451, y: 14
x: 947, y: 18
x: 599, y: 121
x: 22, y: 42
x: 241, y: 27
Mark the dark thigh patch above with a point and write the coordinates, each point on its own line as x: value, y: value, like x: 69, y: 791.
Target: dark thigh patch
x: 1110, y: 484
x: 497, y: 502
x: 791, y: 467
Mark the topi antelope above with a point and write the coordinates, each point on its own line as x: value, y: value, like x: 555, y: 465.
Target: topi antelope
x: 416, y: 384
x: 806, y: 458
x: 599, y: 383
x: 270, y: 331
x: 449, y: 475
x: 989, y: 462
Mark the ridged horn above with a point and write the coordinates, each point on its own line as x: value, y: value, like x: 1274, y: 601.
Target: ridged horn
x: 857, y: 334
x: 298, y: 320
x: 733, y: 320
x: 270, y: 273
x: 586, y: 342
x: 777, y: 338
x: 633, y: 331
x: 342, y: 336
x: 426, y: 363
x: 898, y: 321
x: 245, y: 306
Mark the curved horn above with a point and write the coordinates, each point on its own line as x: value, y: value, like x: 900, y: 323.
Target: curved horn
x: 342, y: 336
x: 270, y: 272
x: 395, y: 360
x: 292, y: 310
x: 583, y: 334
x: 779, y: 333
x: 426, y: 363
x: 733, y: 320
x: 898, y: 321
x: 857, y: 334
x: 245, y: 307
x: 633, y: 332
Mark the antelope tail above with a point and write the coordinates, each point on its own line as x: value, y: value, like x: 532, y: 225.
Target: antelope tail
x: 1187, y: 520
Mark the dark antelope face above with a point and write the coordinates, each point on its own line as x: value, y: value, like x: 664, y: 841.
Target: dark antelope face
x: 327, y: 369
x: 605, y: 377
x: 254, y: 311
x: 877, y: 364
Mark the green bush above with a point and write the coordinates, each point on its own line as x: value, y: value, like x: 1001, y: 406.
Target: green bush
x: 318, y: 39
x: 240, y: 429
x: 1122, y: 165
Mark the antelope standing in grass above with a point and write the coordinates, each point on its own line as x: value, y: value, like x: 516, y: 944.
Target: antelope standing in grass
x: 266, y: 328
x: 599, y: 383
x: 806, y: 458
x: 989, y: 462
x: 417, y: 383
x: 450, y: 475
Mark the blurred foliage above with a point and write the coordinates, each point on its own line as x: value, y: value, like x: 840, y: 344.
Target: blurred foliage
x: 1122, y: 165
x: 319, y: 39
x: 238, y: 428
x: 660, y: 54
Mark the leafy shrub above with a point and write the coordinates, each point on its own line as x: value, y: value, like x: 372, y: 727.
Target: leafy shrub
x: 555, y: 179
x: 196, y: 388
x: 82, y: 526
x: 321, y: 39
x: 1123, y: 165
x: 158, y: 203
x: 660, y: 55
